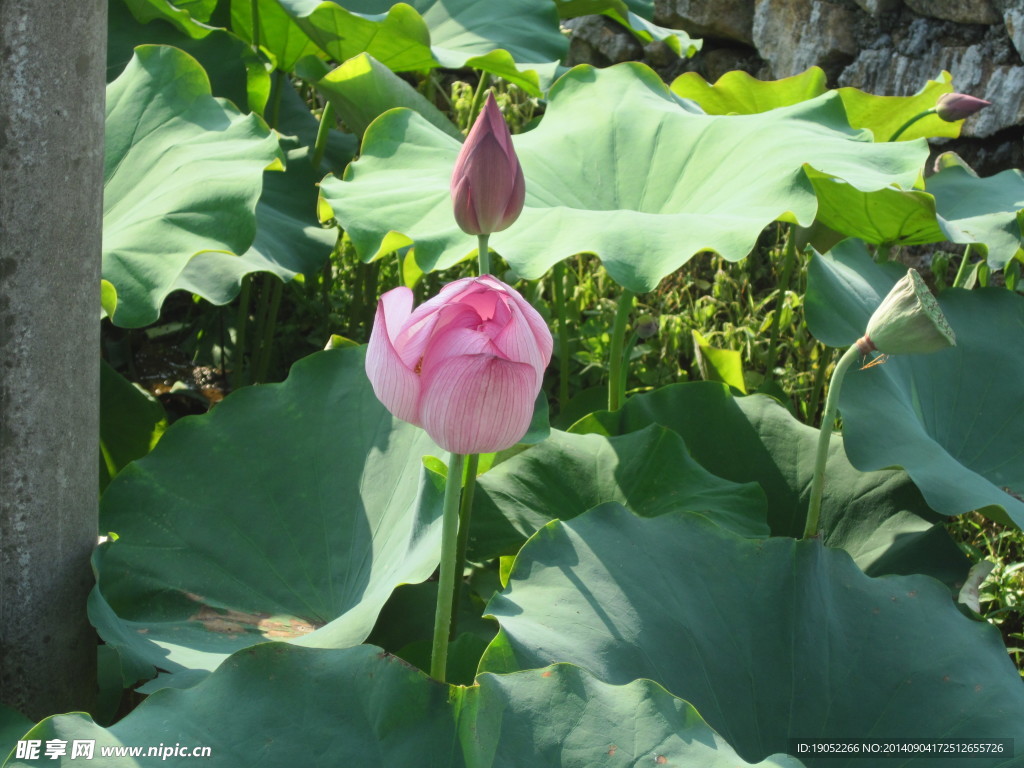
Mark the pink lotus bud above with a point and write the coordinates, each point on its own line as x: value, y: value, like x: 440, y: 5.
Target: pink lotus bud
x: 487, y: 184
x: 956, y: 106
x: 466, y: 365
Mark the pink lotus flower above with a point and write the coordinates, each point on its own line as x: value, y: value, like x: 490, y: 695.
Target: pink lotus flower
x: 487, y: 184
x: 957, y: 106
x: 466, y: 365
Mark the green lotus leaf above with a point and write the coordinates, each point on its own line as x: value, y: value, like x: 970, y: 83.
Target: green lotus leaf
x: 980, y: 210
x: 290, y: 511
x: 738, y: 92
x: 887, y: 216
x: 425, y: 34
x: 770, y: 639
x: 884, y: 115
x: 277, y: 704
x: 13, y: 726
x: 183, y: 174
x: 924, y: 412
x: 289, y: 239
x: 362, y: 89
x: 645, y: 188
x: 279, y: 33
x: 880, y: 518
x: 131, y: 422
x: 189, y: 16
x: 235, y: 72
x: 295, y: 119
x: 649, y: 471
x: 636, y: 16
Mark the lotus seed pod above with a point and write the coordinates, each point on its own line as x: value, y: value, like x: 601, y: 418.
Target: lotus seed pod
x: 908, y: 321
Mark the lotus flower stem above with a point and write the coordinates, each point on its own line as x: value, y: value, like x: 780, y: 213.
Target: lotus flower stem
x: 827, y: 423
x: 268, y: 325
x: 919, y: 116
x: 773, y: 335
x: 465, y: 512
x: 322, y: 134
x: 255, y: 8
x: 616, y: 381
x: 241, y: 324
x: 965, y: 268
x: 824, y: 359
x: 483, y: 255
x: 558, y: 278
x: 883, y: 253
x: 446, y: 579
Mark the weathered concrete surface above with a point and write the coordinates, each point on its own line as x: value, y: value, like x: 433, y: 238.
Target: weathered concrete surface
x: 51, y: 163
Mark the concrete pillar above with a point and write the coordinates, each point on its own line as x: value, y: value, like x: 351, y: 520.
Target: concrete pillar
x: 53, y: 62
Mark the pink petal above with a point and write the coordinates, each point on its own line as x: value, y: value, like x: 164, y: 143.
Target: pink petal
x: 394, y: 384
x: 455, y: 342
x: 478, y: 403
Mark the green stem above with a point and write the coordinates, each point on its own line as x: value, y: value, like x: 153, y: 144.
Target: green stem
x: 242, y: 323
x: 824, y: 358
x: 465, y: 512
x: 910, y: 122
x: 322, y: 134
x: 558, y: 277
x: 828, y: 419
x: 787, y: 274
x: 483, y: 256
x: 616, y: 380
x: 478, y: 97
x: 883, y: 252
x: 255, y: 7
x: 275, y: 108
x: 445, y: 584
x: 965, y: 268
x: 268, y: 327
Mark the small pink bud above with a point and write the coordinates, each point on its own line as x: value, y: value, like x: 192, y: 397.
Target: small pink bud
x: 487, y: 184
x: 466, y: 365
x: 956, y: 106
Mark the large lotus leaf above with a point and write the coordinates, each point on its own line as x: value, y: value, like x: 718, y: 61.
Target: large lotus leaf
x: 645, y: 187
x: 946, y: 417
x: 518, y: 41
x: 878, y: 517
x: 884, y: 115
x: 278, y: 32
x: 13, y: 725
x: 276, y: 704
x: 634, y: 15
x: 183, y: 173
x: 362, y: 89
x: 649, y: 471
x: 131, y: 422
x: 189, y: 16
x: 235, y: 72
x: 289, y: 239
x: 740, y: 93
x: 891, y: 216
x: 290, y: 511
x: 770, y: 639
x: 977, y: 210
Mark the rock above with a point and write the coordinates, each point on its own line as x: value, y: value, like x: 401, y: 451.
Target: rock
x: 600, y: 41
x: 961, y: 11
x: 875, y: 7
x: 792, y: 35
x: 723, y: 19
x: 1013, y: 18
